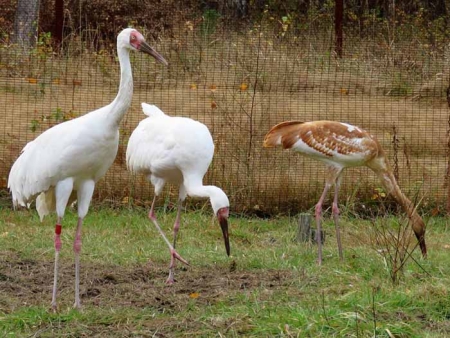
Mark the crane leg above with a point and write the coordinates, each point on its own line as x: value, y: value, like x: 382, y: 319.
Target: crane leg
x: 57, y: 250
x: 176, y: 225
x: 84, y: 196
x: 335, y: 211
x: 77, y: 250
x: 173, y: 253
x: 63, y: 189
x: 318, y: 215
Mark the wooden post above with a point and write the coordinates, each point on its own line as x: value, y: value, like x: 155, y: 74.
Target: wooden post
x: 304, y: 231
x: 304, y: 228
x: 448, y: 151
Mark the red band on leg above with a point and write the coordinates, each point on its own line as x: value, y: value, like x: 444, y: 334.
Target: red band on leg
x: 58, y: 229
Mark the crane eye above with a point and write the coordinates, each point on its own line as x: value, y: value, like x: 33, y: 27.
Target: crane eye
x: 133, y: 37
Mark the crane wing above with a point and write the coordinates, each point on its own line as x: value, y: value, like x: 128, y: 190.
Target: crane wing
x: 151, y: 110
x: 149, y: 145
x: 76, y: 148
x: 167, y: 144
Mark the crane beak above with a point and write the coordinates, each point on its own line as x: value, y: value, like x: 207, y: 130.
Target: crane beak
x: 146, y: 48
x: 222, y: 216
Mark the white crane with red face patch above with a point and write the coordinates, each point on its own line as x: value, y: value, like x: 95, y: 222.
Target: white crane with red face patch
x: 64, y: 162
x: 339, y: 146
x: 177, y: 150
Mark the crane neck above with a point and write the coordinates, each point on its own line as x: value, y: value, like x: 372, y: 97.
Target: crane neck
x: 196, y: 189
x: 122, y: 102
x: 416, y: 222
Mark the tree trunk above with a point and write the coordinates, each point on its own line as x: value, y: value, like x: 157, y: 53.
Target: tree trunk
x: 58, y: 22
x: 26, y: 23
x: 338, y: 17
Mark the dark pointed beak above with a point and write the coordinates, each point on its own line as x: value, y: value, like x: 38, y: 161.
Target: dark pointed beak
x: 422, y: 245
x: 146, y: 48
x: 224, y: 225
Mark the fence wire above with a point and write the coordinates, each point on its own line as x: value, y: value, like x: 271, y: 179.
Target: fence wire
x: 240, y: 82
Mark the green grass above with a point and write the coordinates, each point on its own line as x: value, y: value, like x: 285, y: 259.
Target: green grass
x: 270, y: 286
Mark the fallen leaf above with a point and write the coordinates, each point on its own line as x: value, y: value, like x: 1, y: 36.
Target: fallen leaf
x: 213, y: 88
x: 435, y: 211
x: 4, y: 234
x: 125, y: 200
x: 76, y: 82
x: 213, y: 104
x: 193, y: 86
x: 243, y: 86
x: 194, y: 295
x: 344, y: 91
x: 56, y: 81
x: 32, y: 80
x: 189, y: 25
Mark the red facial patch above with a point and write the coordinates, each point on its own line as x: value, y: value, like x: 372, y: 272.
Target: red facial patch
x: 136, y: 39
x: 223, y: 212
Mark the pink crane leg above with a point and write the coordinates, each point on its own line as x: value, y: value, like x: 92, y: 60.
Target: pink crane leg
x: 77, y: 250
x: 176, y: 227
x: 318, y: 215
x: 58, y: 229
x: 336, y: 212
x: 173, y: 253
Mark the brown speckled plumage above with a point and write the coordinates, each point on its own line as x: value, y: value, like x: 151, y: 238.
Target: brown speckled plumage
x: 341, y: 145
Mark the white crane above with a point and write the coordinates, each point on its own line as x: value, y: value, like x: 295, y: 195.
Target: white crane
x: 178, y: 150
x: 64, y: 162
x: 339, y: 146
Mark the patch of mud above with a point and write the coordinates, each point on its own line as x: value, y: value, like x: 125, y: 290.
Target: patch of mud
x: 29, y: 282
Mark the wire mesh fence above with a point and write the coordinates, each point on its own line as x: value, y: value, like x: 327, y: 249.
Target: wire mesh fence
x: 240, y: 81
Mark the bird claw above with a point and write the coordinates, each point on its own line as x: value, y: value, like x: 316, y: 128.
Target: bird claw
x: 177, y: 256
x: 54, y: 308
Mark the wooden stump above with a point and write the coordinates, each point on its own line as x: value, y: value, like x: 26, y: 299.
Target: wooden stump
x: 304, y: 231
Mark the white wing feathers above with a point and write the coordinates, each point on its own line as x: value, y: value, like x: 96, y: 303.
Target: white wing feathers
x: 31, y: 174
x: 151, y: 110
x: 163, y: 145
x: 75, y: 148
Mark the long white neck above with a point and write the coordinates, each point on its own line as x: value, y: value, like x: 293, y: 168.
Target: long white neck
x: 201, y: 191
x: 122, y: 101
x: 216, y: 195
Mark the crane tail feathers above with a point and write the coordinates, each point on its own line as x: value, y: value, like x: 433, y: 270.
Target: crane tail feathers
x: 151, y: 110
x: 284, y: 134
x: 45, y: 203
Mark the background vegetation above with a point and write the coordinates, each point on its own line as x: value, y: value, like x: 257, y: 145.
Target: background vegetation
x: 241, y: 72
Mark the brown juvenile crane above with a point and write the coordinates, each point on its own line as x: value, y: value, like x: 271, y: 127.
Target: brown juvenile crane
x: 339, y: 146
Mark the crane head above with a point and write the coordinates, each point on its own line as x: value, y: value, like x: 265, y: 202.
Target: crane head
x: 134, y: 40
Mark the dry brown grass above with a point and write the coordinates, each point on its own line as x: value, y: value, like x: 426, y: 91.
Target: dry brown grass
x: 240, y: 86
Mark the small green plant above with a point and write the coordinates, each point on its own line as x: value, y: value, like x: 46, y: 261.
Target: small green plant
x: 34, y: 125
x: 400, y: 86
x: 103, y: 60
x: 210, y: 20
x: 393, y: 241
x: 58, y: 115
x: 44, y: 47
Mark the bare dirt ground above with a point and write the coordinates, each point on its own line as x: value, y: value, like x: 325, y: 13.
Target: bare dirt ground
x: 29, y: 282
